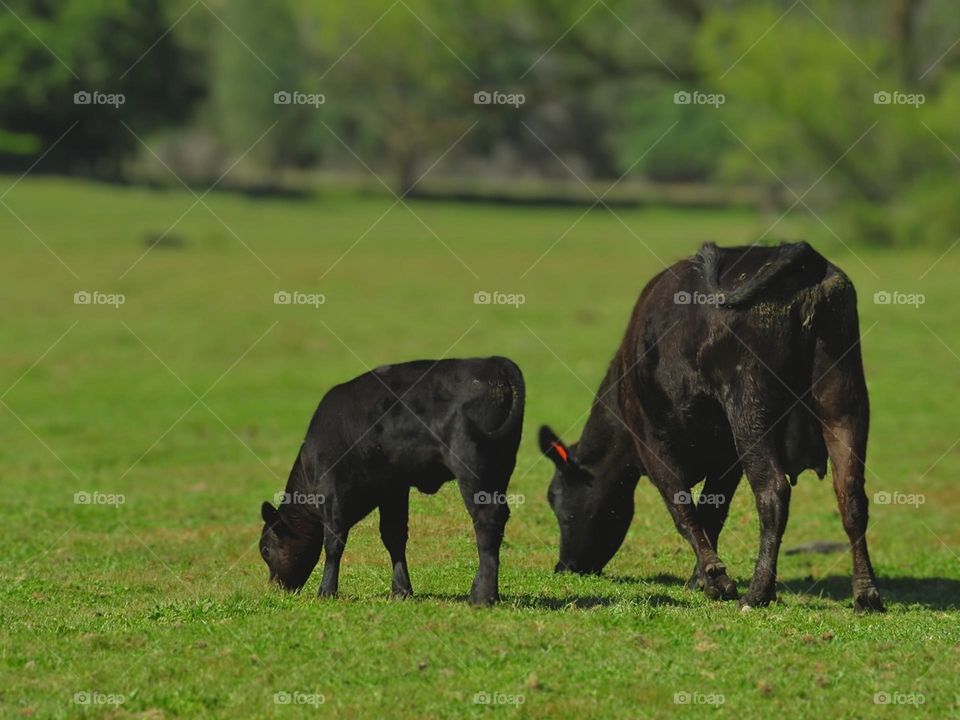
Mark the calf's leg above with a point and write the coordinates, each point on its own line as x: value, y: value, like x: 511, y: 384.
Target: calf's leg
x: 334, y: 541
x: 394, y: 519
x: 489, y: 512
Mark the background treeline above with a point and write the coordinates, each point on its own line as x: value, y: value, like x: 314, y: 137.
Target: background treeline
x: 798, y: 81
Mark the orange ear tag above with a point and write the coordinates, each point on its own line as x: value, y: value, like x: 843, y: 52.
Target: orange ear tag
x: 561, y: 451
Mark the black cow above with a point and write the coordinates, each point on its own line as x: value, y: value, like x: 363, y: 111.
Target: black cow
x: 737, y: 360
x: 416, y: 424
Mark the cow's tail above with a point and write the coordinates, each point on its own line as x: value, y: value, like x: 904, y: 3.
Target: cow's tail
x: 513, y: 377
x: 789, y: 256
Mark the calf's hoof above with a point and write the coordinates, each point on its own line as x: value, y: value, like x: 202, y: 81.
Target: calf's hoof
x: 867, y: 600
x: 401, y: 593
x: 324, y: 593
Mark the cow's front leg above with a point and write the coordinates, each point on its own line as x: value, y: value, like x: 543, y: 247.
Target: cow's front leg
x: 489, y: 512
x: 334, y: 541
x: 712, y: 508
x: 772, y: 491
x: 674, y: 485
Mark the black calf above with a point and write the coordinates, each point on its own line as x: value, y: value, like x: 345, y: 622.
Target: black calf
x: 416, y: 424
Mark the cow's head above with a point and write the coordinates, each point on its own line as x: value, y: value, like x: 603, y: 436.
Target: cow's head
x: 290, y: 554
x: 592, y: 498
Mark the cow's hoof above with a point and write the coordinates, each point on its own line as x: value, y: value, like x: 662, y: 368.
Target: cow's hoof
x: 756, y: 599
x: 401, y: 593
x: 721, y: 588
x: 714, y: 582
x: 484, y: 600
x: 326, y: 594
x: 867, y: 600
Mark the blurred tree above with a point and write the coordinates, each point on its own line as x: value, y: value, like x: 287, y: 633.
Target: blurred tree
x: 90, y: 46
x: 258, y: 83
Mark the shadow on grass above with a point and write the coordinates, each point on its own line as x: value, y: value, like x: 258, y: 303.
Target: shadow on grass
x: 582, y: 602
x: 934, y: 593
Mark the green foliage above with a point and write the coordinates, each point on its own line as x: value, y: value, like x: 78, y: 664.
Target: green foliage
x: 90, y: 45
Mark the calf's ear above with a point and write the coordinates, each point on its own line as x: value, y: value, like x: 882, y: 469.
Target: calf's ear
x: 269, y: 513
x: 552, y: 446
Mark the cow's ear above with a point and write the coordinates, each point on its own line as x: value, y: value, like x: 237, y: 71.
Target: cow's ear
x: 552, y: 446
x: 270, y: 515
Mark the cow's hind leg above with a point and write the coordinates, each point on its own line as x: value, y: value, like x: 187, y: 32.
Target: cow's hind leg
x: 845, y: 434
x: 673, y: 482
x: 712, y: 509
x: 489, y: 512
x: 394, y: 521
x: 771, y: 490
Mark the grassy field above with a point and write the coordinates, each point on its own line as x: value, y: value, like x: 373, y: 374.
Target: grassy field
x: 189, y: 400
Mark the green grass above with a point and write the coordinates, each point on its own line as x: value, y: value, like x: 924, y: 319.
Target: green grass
x: 164, y: 601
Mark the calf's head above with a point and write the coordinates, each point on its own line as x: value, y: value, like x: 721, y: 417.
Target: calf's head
x: 289, y: 552
x: 592, y: 496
